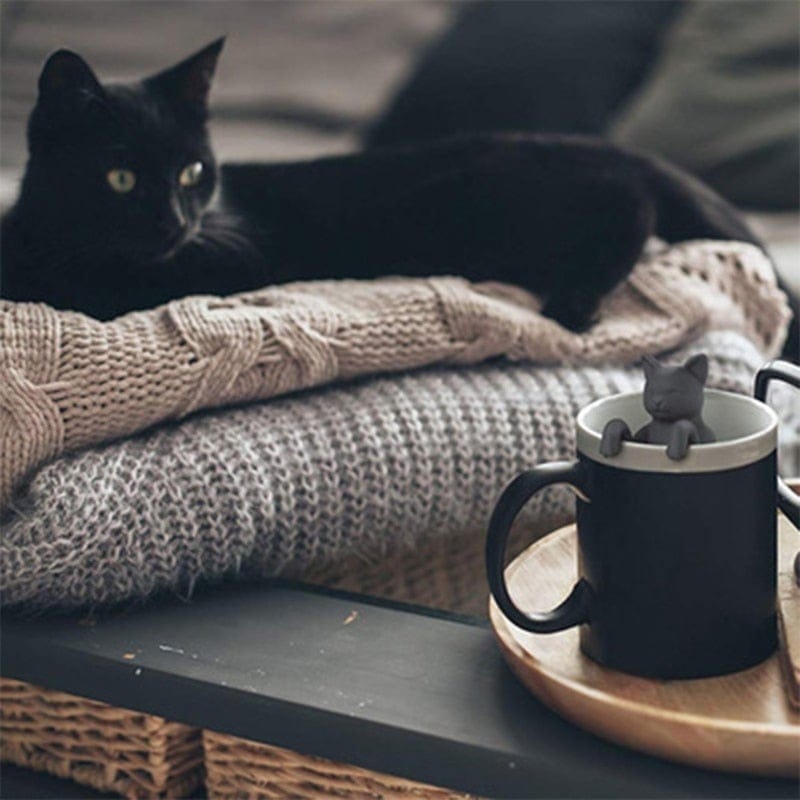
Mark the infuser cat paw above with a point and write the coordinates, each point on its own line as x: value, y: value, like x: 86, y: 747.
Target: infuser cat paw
x: 614, y: 433
x: 683, y: 434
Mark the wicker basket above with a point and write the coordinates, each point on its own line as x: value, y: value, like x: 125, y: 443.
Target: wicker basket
x: 244, y: 770
x: 110, y: 749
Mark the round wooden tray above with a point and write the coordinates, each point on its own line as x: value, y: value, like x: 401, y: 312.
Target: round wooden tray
x: 741, y: 722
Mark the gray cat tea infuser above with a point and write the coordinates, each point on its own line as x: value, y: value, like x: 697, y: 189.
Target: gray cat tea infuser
x: 673, y: 396
x: 677, y: 543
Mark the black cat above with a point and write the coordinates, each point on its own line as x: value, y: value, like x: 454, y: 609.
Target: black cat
x: 116, y: 208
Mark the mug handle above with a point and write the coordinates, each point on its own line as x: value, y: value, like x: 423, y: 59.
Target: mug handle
x: 575, y: 609
x: 788, y: 501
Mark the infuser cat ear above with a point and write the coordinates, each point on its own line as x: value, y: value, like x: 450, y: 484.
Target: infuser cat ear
x: 64, y: 72
x: 650, y: 365
x: 189, y: 81
x: 698, y: 366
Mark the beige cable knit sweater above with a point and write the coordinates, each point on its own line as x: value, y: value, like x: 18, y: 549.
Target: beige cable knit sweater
x: 67, y: 381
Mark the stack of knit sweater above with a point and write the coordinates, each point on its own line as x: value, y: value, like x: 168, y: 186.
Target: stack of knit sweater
x: 110, y: 493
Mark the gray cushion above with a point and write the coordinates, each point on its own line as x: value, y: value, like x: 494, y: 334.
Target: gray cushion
x: 723, y: 102
x: 295, y: 79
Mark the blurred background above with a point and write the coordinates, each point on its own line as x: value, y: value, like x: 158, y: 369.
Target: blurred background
x: 711, y: 85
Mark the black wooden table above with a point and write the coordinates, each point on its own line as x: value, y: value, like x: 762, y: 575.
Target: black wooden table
x: 393, y: 688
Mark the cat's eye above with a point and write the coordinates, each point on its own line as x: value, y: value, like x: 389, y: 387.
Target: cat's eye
x: 121, y: 180
x: 191, y: 174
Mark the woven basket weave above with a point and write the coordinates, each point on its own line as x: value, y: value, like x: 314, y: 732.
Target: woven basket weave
x: 110, y: 749
x: 238, y: 768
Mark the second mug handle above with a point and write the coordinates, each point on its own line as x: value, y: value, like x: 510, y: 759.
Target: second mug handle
x: 575, y: 609
x: 785, y: 371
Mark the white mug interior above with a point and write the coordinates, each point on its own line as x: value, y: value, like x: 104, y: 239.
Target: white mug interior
x: 746, y: 430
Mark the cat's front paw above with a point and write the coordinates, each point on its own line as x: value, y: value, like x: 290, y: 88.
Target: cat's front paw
x: 575, y: 312
x: 614, y: 432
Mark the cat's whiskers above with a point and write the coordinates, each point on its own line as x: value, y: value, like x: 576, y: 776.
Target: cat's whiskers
x: 222, y: 234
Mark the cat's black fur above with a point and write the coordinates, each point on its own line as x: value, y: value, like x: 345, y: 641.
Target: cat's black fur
x: 673, y: 396
x: 565, y: 217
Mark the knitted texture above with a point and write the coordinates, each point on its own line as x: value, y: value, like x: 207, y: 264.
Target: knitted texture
x: 67, y: 381
x: 303, y: 482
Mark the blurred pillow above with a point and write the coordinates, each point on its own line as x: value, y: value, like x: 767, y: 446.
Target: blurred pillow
x: 722, y: 100
x: 541, y: 66
x: 296, y: 79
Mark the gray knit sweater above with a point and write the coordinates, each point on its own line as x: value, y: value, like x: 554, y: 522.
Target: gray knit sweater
x: 300, y: 482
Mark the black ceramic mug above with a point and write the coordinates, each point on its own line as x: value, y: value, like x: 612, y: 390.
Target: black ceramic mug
x: 677, y: 559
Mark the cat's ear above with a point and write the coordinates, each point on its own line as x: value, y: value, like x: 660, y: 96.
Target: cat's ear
x: 698, y: 366
x: 651, y: 366
x: 66, y: 74
x: 189, y: 81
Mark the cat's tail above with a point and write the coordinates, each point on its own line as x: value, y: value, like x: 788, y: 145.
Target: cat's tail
x: 688, y: 209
